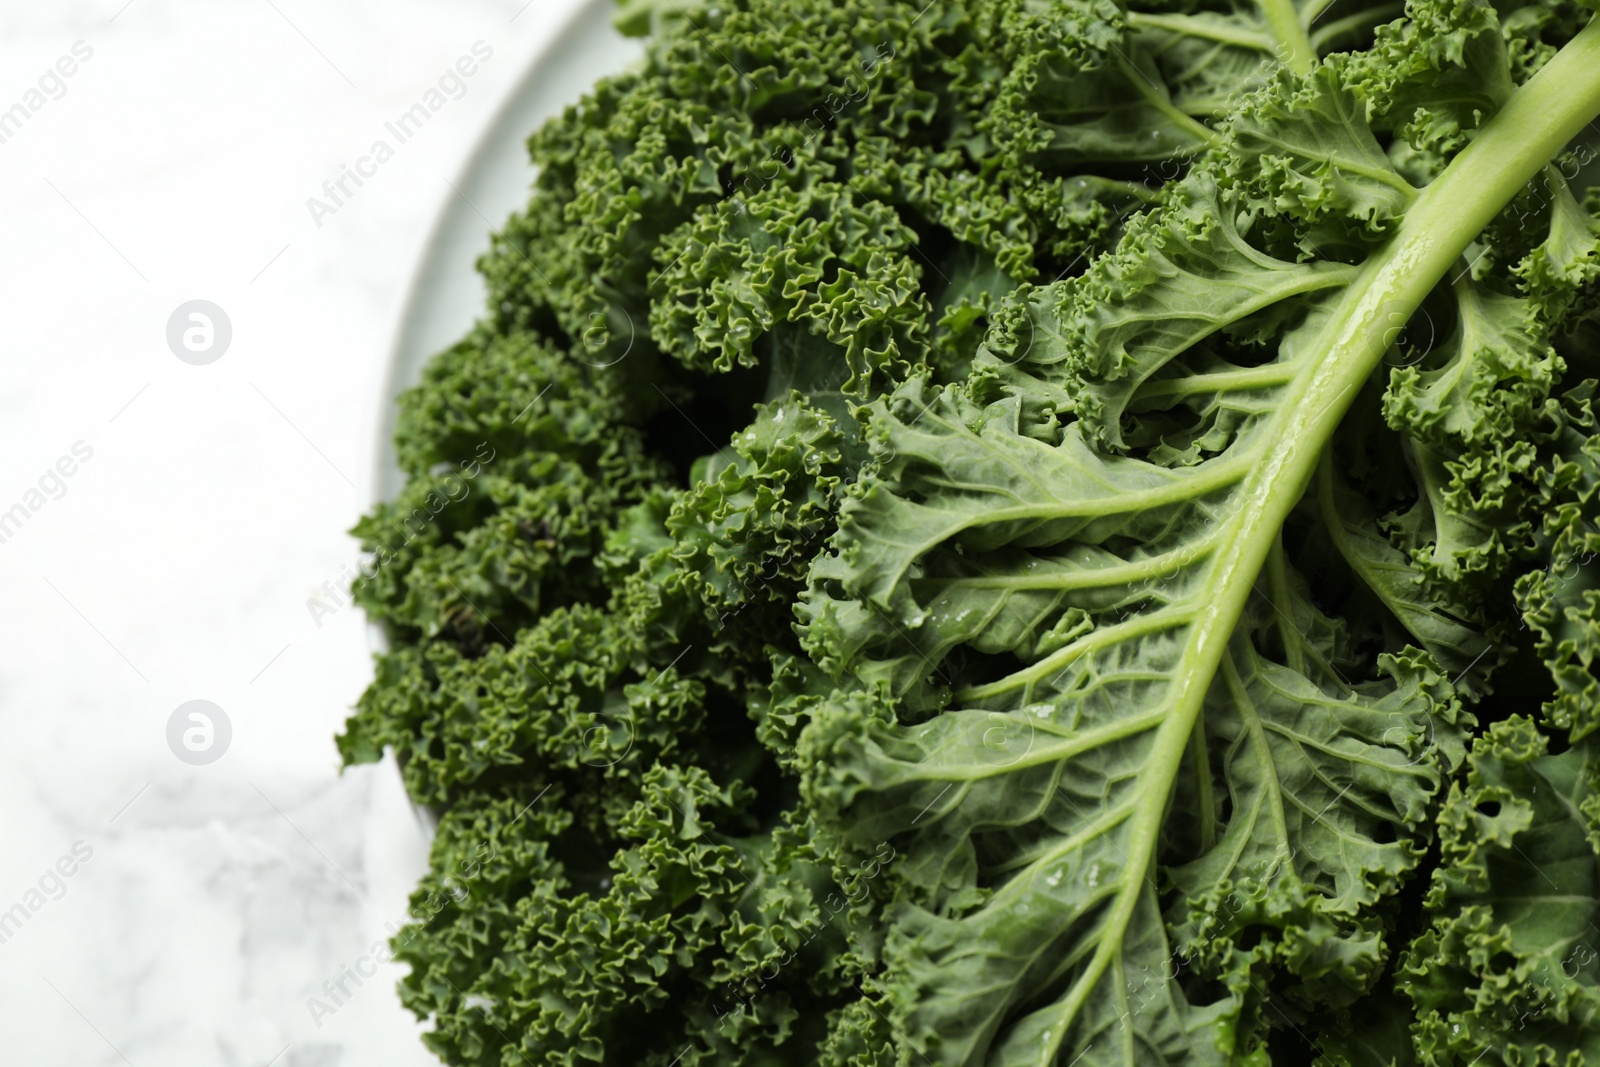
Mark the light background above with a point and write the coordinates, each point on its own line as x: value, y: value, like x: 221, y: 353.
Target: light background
x: 178, y: 564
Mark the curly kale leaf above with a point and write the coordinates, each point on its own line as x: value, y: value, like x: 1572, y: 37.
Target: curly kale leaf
x: 1509, y: 972
x: 1122, y: 717
x: 1091, y: 693
x: 620, y: 477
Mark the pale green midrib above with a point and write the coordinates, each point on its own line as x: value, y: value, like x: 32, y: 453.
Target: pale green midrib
x: 1284, y: 23
x: 1188, y: 26
x: 1090, y: 577
x: 1535, y: 124
x: 1065, y: 749
x: 1187, y: 487
x: 1242, y: 380
x: 1283, y: 26
x: 1167, y: 618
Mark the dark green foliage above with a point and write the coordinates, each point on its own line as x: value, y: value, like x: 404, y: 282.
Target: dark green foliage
x: 802, y: 561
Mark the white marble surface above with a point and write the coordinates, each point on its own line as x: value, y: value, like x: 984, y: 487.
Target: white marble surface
x: 177, y: 564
